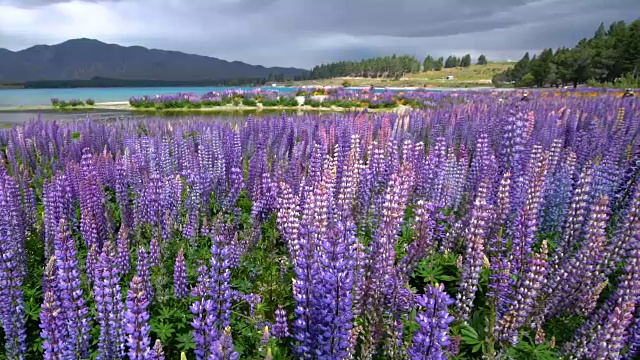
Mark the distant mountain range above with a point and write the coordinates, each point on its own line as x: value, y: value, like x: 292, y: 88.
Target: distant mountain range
x: 87, y: 59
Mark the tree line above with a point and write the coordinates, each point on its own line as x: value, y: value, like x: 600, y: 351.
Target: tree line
x: 389, y: 66
x: 608, y: 57
x: 379, y: 67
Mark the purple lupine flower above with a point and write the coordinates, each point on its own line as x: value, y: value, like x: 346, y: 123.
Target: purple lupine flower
x: 526, y: 293
x: 312, y: 230
x: 136, y: 321
x: 222, y: 349
x: 577, y: 212
x: 52, y: 322
x: 423, y: 242
x: 109, y: 306
x: 12, y: 271
x: 266, y: 335
x: 157, y: 353
x: 332, y: 314
x: 180, y: 276
x: 474, y: 257
x: 611, y: 339
x: 91, y: 263
x: 154, y: 253
x: 628, y: 289
x: 89, y: 230
x: 198, y: 309
x: 123, y: 254
x: 431, y: 340
x: 281, y: 328
x: 212, y: 307
x: 70, y: 293
x: 219, y: 287
x: 289, y: 220
x: 634, y: 337
x: 143, y: 272
x: 236, y: 184
x: 575, y: 283
x: 526, y: 223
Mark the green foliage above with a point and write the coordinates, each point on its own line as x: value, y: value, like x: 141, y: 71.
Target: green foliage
x: 606, y: 58
x: 381, y: 67
x: 249, y: 102
x: 529, y: 350
x: 465, y: 61
x: 287, y: 101
x: 482, y: 60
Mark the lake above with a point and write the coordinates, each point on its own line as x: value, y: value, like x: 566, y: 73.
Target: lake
x: 26, y: 97
x: 30, y: 97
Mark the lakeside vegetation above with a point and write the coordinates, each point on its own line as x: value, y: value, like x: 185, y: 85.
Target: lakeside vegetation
x: 308, y: 97
x: 611, y: 58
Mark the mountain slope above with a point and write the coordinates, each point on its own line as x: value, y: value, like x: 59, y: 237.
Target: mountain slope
x: 84, y: 59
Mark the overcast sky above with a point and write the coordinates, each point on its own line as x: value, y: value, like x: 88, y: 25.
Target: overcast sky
x: 303, y: 33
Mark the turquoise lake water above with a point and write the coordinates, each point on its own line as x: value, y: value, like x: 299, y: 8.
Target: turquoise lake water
x: 26, y: 97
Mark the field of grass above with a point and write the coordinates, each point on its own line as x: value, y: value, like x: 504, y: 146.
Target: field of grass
x: 472, y: 76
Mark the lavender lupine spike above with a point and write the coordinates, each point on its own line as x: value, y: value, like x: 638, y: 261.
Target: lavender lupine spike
x: 180, y: 276
x: 12, y: 272
x: 157, y: 353
x: 52, y: 322
x: 526, y: 223
x: 333, y: 311
x: 628, y: 289
x: 123, y: 253
x: 423, y: 242
x: 198, y: 309
x: 154, y: 253
x: 281, y: 328
x: 383, y: 287
x: 136, y: 321
x: 574, y: 283
x: 289, y: 220
x: 611, y: 338
x: 223, y: 349
x: 526, y: 295
x: 143, y: 272
x: 219, y: 286
x: 431, y: 339
x: 474, y: 257
x: 633, y: 334
x: 578, y: 211
x: 312, y: 232
x: 109, y: 307
x: 70, y: 291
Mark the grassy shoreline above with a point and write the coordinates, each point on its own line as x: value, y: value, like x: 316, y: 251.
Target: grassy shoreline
x: 238, y: 108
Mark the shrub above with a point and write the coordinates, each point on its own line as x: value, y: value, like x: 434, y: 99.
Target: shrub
x: 287, y: 101
x: 90, y: 102
x: 249, y: 102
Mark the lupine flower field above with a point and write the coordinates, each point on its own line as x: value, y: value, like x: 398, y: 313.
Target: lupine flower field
x: 477, y: 229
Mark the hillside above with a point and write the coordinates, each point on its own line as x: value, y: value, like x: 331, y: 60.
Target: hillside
x: 85, y: 59
x: 474, y: 75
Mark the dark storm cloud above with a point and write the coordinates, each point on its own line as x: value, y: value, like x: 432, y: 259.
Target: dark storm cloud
x: 307, y: 32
